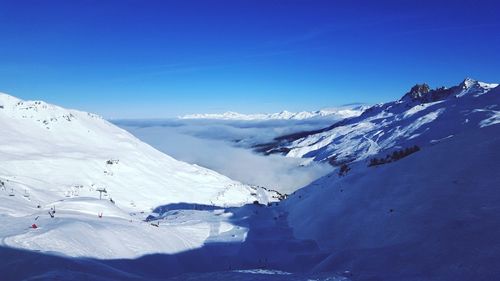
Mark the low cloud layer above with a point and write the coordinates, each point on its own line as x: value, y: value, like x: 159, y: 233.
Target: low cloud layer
x: 223, y: 147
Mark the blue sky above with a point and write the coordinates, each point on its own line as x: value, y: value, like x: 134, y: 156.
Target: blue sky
x: 135, y: 58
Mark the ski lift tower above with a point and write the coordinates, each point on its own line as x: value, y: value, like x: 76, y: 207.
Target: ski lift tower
x: 101, y: 191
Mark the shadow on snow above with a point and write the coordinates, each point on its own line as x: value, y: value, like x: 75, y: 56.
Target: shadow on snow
x: 269, y: 245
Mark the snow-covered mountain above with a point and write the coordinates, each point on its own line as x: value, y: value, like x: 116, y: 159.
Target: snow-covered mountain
x: 416, y: 195
x: 417, y: 200
x: 333, y: 113
x: 432, y: 215
x: 422, y: 117
x: 66, y: 159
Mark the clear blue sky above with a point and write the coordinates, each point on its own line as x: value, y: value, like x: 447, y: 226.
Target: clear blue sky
x: 137, y: 58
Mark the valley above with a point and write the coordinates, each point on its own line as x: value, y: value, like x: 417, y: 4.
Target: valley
x: 79, y: 190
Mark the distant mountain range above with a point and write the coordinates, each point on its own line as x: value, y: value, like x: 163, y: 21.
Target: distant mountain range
x: 335, y: 113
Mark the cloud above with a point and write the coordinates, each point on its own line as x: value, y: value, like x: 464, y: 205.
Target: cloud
x: 224, y: 147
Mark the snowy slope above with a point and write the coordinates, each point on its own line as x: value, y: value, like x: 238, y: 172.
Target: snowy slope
x: 422, y: 117
x: 332, y: 113
x: 429, y: 215
x: 54, y: 157
x: 432, y: 215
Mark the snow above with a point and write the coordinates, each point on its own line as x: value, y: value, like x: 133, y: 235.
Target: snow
x: 263, y: 271
x: 418, y: 108
x: 387, y: 222
x: 244, y: 243
x: 337, y: 113
x: 474, y: 87
x: 400, y: 124
x: 429, y: 216
x: 54, y: 157
x: 45, y: 151
x: 78, y: 232
x: 432, y: 215
x: 440, y: 140
x: 492, y: 120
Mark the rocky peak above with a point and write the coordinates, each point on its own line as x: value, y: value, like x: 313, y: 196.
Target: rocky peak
x: 422, y: 93
x: 417, y: 92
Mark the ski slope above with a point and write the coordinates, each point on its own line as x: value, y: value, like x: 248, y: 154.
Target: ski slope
x: 66, y: 159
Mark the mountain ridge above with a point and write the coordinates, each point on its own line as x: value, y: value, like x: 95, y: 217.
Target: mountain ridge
x: 390, y: 125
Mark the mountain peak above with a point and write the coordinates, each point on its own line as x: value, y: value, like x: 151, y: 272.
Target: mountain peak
x: 468, y: 82
x: 423, y: 93
x: 417, y: 92
x: 419, y: 89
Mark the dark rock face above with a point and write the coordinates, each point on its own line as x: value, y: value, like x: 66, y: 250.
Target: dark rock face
x: 440, y: 94
x: 423, y: 93
x: 417, y: 92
